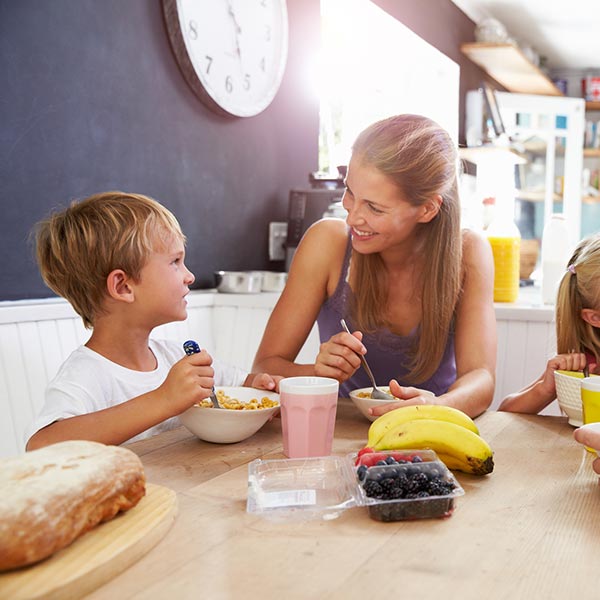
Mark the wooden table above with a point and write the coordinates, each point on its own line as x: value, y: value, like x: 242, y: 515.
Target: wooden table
x: 531, y: 529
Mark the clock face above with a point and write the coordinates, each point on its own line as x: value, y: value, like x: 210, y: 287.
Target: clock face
x: 231, y: 52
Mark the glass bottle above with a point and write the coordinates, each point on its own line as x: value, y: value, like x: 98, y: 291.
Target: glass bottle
x: 505, y: 240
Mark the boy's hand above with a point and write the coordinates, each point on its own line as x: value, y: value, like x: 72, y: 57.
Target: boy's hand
x: 189, y: 381
x: 263, y: 381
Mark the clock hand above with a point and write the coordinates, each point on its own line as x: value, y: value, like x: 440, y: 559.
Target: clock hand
x: 238, y: 29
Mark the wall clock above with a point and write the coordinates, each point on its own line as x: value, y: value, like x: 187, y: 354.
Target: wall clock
x: 232, y: 53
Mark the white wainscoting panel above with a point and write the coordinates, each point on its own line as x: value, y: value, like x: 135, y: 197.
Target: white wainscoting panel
x: 37, y: 336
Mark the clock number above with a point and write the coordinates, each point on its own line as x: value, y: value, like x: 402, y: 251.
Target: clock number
x: 228, y: 84
x: 263, y: 3
x: 209, y: 62
x: 268, y: 33
x: 263, y: 64
x: 193, y: 30
x: 247, y: 81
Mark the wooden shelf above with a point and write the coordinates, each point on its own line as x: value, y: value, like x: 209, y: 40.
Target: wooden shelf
x: 536, y: 196
x: 592, y: 106
x: 478, y: 154
x: 591, y: 152
x: 510, y: 68
x: 591, y: 199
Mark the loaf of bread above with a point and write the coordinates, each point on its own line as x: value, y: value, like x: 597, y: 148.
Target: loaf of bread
x: 49, y: 497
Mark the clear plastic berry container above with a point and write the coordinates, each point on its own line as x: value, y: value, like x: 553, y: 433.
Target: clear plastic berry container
x: 415, y: 485
x: 407, y: 484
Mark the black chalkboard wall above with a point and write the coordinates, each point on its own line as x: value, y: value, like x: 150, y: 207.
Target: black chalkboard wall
x: 92, y: 99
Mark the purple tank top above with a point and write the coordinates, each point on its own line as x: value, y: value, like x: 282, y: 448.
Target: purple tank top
x: 387, y: 353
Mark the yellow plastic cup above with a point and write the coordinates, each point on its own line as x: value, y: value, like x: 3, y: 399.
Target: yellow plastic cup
x: 590, y: 400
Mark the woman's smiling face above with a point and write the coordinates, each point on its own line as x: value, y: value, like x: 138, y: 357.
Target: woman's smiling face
x: 378, y: 213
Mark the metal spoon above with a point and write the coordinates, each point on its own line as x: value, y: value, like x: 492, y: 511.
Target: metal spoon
x: 376, y: 393
x: 192, y: 347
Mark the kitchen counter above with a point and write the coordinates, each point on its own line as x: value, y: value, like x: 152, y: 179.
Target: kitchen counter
x: 531, y: 529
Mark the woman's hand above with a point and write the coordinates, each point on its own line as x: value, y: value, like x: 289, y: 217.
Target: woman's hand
x: 339, y: 356
x: 589, y: 435
x: 407, y: 396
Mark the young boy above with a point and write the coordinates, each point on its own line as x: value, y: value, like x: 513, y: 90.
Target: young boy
x: 119, y: 260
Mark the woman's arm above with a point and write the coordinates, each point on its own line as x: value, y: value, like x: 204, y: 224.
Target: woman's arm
x: 313, y: 277
x: 475, y: 339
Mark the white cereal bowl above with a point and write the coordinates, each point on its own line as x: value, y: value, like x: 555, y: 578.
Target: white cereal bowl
x: 226, y: 426
x: 365, y: 403
x: 568, y: 394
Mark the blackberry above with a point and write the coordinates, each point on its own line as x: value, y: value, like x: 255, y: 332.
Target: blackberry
x: 388, y: 484
x: 396, y: 493
x: 440, y: 488
x: 372, y: 488
x: 417, y: 482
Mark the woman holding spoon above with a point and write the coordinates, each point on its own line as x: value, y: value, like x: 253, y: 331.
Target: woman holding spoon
x: 415, y: 290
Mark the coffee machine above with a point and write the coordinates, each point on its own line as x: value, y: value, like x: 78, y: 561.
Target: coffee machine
x: 308, y: 205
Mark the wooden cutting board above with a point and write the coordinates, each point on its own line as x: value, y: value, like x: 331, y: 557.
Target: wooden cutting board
x: 97, y: 556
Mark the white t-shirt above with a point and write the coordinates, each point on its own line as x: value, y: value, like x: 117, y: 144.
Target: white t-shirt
x: 87, y: 382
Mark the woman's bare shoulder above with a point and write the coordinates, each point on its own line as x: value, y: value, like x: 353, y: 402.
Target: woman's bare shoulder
x: 475, y: 246
x: 329, y: 235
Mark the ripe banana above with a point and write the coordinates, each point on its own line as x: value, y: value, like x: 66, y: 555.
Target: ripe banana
x: 458, y: 447
x: 396, y: 417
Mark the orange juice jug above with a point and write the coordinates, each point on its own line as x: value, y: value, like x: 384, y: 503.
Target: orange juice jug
x: 505, y: 240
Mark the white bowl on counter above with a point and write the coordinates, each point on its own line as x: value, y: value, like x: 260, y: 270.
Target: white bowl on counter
x: 568, y: 394
x: 226, y: 426
x: 239, y: 282
x: 363, y: 401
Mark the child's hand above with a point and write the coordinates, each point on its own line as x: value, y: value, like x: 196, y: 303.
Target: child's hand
x: 263, y: 381
x: 189, y: 381
x: 589, y: 435
x: 574, y: 361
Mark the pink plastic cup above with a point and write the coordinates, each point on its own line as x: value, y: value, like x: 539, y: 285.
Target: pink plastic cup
x: 308, y: 407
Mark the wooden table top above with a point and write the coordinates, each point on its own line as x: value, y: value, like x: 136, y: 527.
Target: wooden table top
x: 531, y: 529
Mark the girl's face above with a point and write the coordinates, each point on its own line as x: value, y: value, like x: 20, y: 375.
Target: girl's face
x: 379, y: 215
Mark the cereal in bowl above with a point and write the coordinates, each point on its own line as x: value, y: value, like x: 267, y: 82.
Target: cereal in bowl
x: 230, y: 403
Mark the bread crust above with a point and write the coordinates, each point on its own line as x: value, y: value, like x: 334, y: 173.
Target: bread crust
x: 53, y: 495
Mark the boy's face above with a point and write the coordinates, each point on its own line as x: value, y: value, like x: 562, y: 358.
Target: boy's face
x: 163, y: 284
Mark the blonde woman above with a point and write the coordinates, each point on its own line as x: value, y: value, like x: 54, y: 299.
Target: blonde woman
x: 577, y: 328
x: 415, y: 290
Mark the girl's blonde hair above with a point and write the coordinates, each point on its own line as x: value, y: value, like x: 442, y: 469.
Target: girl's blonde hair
x: 579, y: 289
x: 421, y: 159
x: 78, y: 247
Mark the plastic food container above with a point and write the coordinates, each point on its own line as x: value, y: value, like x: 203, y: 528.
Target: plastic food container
x: 323, y: 487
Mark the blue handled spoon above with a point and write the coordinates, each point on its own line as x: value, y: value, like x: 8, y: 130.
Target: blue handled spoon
x: 191, y: 347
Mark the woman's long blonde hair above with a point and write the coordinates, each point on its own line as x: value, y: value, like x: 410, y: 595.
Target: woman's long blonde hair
x: 579, y: 289
x: 421, y: 159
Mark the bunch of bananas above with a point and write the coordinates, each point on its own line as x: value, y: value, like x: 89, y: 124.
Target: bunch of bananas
x: 451, y: 433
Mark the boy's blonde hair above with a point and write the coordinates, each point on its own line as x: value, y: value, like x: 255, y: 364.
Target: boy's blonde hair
x: 579, y: 289
x: 78, y: 247
x: 421, y: 159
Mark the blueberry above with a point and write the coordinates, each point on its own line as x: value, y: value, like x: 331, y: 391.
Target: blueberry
x: 390, y: 460
x: 417, y: 459
x: 361, y: 472
x: 381, y: 462
x: 402, y: 462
